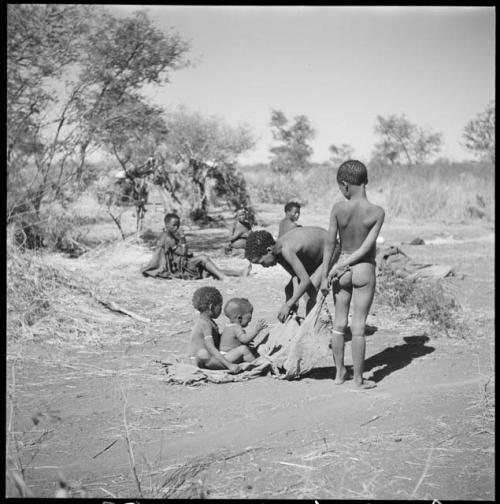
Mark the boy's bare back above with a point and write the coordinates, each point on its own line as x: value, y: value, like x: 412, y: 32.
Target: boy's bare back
x: 306, y: 243
x: 355, y: 219
x: 201, y: 329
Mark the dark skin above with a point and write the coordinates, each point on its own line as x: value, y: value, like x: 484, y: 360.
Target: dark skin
x: 300, y: 253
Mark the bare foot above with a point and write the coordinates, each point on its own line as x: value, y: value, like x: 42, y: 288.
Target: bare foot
x: 340, y: 376
x: 364, y: 385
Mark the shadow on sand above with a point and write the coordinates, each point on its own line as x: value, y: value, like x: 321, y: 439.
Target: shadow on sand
x: 389, y: 360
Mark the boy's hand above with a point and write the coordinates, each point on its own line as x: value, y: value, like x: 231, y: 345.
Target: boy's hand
x: 284, y: 312
x: 325, y: 286
x: 260, y: 325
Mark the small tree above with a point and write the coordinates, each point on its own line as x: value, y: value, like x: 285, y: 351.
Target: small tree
x: 479, y: 133
x: 401, y: 139
x: 69, y: 69
x: 339, y: 154
x: 294, y: 151
x: 197, y: 149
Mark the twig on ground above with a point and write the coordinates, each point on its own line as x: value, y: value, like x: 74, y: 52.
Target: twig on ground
x: 296, y: 465
x: 105, y: 449
x: 371, y: 420
x: 424, y: 473
x: 129, y: 446
x: 111, y: 305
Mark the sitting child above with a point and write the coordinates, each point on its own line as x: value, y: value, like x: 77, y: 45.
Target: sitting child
x: 205, y: 336
x: 292, y: 214
x: 240, y: 231
x: 234, y: 337
x: 172, y: 259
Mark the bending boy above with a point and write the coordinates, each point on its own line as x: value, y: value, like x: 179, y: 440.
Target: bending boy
x: 300, y: 253
x: 358, y: 223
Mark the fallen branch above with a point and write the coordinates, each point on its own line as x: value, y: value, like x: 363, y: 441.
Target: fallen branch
x: 105, y: 449
x: 111, y: 305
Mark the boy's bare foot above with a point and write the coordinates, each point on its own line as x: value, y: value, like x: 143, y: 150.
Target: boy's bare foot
x: 340, y: 376
x: 364, y: 385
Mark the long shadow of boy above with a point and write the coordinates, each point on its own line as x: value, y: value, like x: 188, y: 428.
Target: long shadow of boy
x: 392, y: 359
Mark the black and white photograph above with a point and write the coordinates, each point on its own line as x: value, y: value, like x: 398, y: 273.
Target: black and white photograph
x: 250, y: 252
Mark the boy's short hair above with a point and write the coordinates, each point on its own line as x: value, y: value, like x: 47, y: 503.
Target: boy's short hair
x: 206, y: 296
x: 257, y: 243
x: 237, y: 306
x: 170, y: 216
x: 352, y: 172
x: 290, y: 205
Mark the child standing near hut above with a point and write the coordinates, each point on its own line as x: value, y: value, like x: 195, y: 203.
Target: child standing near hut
x: 352, y: 278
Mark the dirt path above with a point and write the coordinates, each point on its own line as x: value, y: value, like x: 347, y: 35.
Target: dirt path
x: 425, y: 432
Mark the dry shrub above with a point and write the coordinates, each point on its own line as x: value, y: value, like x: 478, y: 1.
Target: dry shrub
x: 49, y: 303
x: 432, y: 300
x: 32, y: 290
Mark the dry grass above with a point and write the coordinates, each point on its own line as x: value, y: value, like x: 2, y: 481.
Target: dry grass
x: 433, y: 301
x: 405, y: 192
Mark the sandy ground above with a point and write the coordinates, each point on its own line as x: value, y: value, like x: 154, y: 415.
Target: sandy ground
x: 425, y: 431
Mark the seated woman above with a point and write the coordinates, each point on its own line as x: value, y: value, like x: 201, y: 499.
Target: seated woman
x: 240, y: 231
x: 172, y: 259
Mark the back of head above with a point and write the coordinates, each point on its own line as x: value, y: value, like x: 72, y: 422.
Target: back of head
x: 257, y: 243
x: 291, y: 205
x: 170, y: 216
x: 353, y: 172
x: 237, y: 306
x: 206, y: 296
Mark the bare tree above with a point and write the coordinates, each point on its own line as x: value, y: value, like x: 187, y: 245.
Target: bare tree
x: 401, y: 138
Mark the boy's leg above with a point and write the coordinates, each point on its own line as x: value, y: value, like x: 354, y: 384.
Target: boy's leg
x: 363, y: 292
x: 218, y: 273
x: 342, y: 299
x: 240, y: 353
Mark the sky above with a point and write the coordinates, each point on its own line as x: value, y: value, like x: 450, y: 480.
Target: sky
x: 339, y: 66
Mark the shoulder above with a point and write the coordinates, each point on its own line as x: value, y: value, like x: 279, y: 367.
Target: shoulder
x: 166, y: 241
x: 377, y: 210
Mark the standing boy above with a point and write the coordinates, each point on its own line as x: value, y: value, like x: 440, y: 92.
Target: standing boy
x: 300, y: 253
x: 292, y: 214
x: 358, y: 224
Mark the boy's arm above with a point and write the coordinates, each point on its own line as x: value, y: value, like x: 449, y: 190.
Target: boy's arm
x: 245, y: 337
x: 237, y: 234
x: 328, y: 249
x: 305, y: 281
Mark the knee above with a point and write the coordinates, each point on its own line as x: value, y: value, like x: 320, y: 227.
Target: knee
x: 203, y: 259
x: 340, y: 326
x: 357, y: 329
